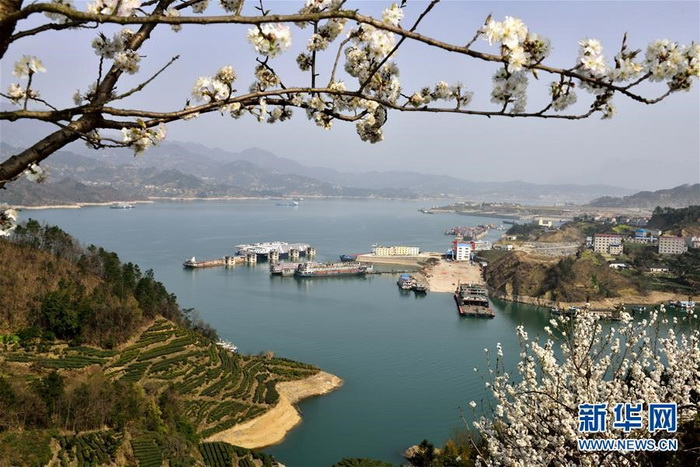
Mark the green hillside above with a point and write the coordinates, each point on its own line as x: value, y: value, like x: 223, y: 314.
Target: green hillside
x: 99, y: 365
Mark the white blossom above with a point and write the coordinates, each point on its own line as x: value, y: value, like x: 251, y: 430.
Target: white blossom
x: 535, y: 420
x: 113, y: 7
x: 392, y: 15
x: 270, y: 39
x: 28, y: 65
x: 140, y: 139
x: 57, y: 16
x: 173, y: 13
x: 200, y: 7
x: 128, y: 61
x: 591, y: 57
x: 231, y: 6
x: 35, y: 173
x: 8, y: 220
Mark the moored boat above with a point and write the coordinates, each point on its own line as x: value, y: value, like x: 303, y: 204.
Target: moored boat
x: 332, y: 269
x: 193, y: 263
x: 473, y: 300
x: 122, y: 206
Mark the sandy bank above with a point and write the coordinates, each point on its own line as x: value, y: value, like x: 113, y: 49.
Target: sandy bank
x: 272, y: 426
x: 444, y: 276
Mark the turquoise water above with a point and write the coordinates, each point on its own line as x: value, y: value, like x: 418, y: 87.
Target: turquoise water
x: 407, y: 361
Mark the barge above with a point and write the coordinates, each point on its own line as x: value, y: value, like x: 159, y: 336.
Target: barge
x: 333, y: 269
x: 473, y: 300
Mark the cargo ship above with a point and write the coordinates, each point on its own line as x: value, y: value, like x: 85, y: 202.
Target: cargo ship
x: 347, y: 268
x: 473, y: 300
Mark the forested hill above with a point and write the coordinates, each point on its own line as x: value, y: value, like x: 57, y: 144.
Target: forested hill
x: 678, y: 197
x: 100, y: 366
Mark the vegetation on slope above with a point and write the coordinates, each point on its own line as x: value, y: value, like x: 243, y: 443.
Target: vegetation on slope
x: 98, y: 363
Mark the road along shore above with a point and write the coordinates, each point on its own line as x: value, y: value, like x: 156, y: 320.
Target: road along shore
x: 272, y: 426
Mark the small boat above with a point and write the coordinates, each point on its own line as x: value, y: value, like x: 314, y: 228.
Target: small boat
x: 405, y: 282
x: 122, y: 206
x: 420, y: 288
x: 288, y: 203
x: 347, y: 258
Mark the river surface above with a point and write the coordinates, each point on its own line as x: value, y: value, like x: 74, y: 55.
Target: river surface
x: 408, y: 362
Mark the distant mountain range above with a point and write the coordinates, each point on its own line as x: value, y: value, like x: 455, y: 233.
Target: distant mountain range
x: 176, y: 169
x: 679, y: 197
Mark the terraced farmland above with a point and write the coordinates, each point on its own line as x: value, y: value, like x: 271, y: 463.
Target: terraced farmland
x: 89, y: 449
x: 218, y: 388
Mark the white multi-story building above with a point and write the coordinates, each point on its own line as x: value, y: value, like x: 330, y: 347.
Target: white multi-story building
x: 669, y: 245
x: 461, y: 251
x: 602, y: 242
x: 395, y: 250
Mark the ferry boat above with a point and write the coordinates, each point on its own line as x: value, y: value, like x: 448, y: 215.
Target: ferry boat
x: 348, y: 268
x: 473, y: 300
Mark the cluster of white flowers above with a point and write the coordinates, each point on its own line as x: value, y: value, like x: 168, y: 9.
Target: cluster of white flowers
x: 441, y: 91
x: 230, y: 6
x: 326, y: 33
x: 315, y: 6
x: 563, y: 95
x: 27, y: 65
x: 8, y: 220
x: 172, y: 12
x: 109, y: 48
x: 591, y: 58
x: 270, y: 39
x: 510, y: 89
x: 18, y: 94
x: 392, y: 15
x: 57, y: 16
x: 35, y: 173
x: 128, y: 61
x: 200, y: 7
x: 113, y: 7
x: 140, y: 139
x: 519, y: 47
x: 669, y: 61
x: 266, y: 78
x: 214, y: 88
x: 535, y: 418
x: 626, y: 68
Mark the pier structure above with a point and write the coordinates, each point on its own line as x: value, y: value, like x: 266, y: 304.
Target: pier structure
x: 265, y: 251
x: 273, y: 256
x: 311, y: 251
x: 251, y: 258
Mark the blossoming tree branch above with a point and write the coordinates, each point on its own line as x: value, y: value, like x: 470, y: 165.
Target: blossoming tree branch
x: 350, y: 63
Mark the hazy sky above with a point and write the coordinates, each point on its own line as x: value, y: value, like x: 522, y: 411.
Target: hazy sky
x: 647, y: 147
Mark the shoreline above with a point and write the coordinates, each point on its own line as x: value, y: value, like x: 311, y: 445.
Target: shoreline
x: 272, y: 426
x: 76, y: 205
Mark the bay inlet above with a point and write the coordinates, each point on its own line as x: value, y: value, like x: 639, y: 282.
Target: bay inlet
x: 407, y: 361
